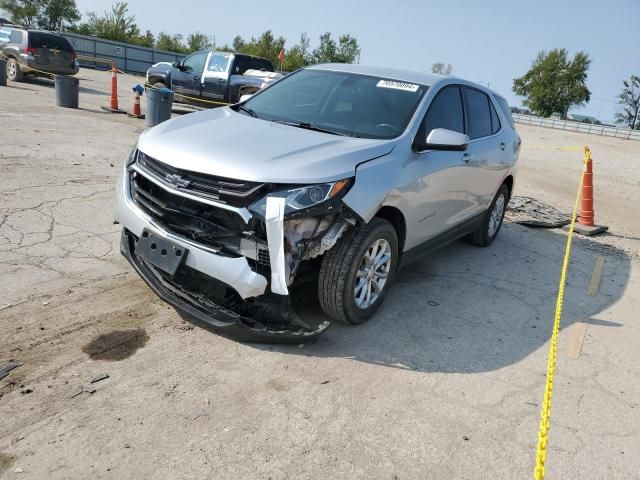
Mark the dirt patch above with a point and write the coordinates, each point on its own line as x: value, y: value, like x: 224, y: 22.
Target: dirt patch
x: 6, y: 460
x: 116, y: 345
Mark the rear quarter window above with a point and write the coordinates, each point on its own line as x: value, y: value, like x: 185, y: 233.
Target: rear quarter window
x: 45, y: 40
x: 479, y: 113
x: 504, y: 107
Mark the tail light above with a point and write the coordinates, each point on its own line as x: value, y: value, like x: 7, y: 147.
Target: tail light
x: 30, y: 50
x: 74, y: 56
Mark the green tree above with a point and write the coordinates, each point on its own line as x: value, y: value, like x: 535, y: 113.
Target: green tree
x: 238, y: 43
x: 172, y: 43
x: 115, y: 25
x: 346, y: 50
x: 629, y: 100
x: 326, y: 51
x: 299, y: 55
x: 441, y: 68
x: 266, y: 46
x: 56, y: 13
x: 198, y: 41
x: 23, y: 12
x: 554, y: 83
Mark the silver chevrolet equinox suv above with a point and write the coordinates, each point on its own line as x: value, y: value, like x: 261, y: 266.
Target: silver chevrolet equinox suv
x: 319, y: 186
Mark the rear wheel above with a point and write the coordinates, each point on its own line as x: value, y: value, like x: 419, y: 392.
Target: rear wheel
x: 356, y: 273
x: 492, y: 222
x: 14, y: 72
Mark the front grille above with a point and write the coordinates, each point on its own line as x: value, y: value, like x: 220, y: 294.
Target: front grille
x: 192, y: 219
x: 232, y: 192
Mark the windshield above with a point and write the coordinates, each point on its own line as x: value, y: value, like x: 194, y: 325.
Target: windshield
x: 218, y: 62
x: 346, y: 103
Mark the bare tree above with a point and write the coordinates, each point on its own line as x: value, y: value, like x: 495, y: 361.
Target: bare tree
x: 441, y: 68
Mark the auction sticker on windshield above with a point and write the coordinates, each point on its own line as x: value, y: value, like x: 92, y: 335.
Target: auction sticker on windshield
x: 407, y: 87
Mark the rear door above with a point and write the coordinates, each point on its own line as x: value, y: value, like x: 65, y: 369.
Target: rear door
x: 51, y: 52
x: 187, y: 80
x: 216, y: 74
x: 486, y: 158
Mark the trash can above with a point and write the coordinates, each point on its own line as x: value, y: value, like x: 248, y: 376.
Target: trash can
x: 3, y: 72
x: 159, y: 103
x: 67, y: 91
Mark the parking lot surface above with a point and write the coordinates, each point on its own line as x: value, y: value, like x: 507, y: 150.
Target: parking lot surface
x: 445, y: 381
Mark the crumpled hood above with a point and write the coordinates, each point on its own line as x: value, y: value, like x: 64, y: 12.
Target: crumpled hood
x: 234, y: 145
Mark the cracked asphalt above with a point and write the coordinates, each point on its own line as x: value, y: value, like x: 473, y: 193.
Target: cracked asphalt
x: 445, y: 381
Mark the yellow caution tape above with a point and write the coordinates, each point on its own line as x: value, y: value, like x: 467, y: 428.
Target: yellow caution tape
x: 545, y: 414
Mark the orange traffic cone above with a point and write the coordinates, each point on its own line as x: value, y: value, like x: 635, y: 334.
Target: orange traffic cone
x: 586, y: 222
x: 135, y: 108
x: 113, y: 106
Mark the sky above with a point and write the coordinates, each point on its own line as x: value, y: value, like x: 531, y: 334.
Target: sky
x: 490, y: 41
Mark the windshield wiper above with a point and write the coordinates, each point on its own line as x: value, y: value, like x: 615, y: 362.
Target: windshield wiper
x: 311, y: 126
x: 248, y: 110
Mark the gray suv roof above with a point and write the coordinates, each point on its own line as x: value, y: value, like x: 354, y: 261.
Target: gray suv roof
x: 422, y: 78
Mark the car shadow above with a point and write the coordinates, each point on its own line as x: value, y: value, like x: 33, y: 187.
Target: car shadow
x: 466, y: 309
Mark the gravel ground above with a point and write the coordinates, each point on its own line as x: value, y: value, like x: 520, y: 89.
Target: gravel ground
x: 444, y: 382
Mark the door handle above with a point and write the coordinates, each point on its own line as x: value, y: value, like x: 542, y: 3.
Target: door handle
x: 502, y: 145
x: 467, y: 157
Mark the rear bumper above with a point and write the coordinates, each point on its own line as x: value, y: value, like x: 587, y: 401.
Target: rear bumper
x: 29, y: 65
x: 216, y: 317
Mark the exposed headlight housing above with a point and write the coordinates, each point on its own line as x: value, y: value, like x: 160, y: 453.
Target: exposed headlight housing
x: 303, y: 198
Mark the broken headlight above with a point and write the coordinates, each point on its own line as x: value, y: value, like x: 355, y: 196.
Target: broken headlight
x: 133, y: 156
x: 302, y: 198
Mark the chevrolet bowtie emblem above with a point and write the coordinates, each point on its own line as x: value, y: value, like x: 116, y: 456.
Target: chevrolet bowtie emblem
x: 177, y: 180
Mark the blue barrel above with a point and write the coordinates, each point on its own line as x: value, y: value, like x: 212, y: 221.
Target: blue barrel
x: 159, y: 103
x: 67, y: 91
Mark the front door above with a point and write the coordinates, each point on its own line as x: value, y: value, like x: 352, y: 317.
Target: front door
x: 438, y: 195
x: 187, y: 79
x: 214, y: 84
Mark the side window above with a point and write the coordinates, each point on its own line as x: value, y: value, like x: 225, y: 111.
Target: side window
x: 506, y: 111
x: 241, y: 65
x: 495, y: 121
x: 445, y: 111
x: 195, y: 62
x: 16, y: 36
x: 479, y: 113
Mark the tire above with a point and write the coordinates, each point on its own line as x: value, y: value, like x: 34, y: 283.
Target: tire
x: 14, y: 72
x: 492, y: 222
x: 338, y: 276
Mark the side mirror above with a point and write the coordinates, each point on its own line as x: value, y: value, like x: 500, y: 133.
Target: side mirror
x: 176, y: 64
x: 443, y: 139
x: 246, y: 97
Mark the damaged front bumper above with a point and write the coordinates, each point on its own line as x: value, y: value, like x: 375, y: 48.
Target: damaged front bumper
x: 223, y: 291
x: 217, y: 317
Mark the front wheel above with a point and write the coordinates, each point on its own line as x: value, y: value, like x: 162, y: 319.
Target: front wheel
x: 356, y: 273
x: 492, y: 222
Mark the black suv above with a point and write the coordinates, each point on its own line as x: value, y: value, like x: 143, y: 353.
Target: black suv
x: 38, y: 53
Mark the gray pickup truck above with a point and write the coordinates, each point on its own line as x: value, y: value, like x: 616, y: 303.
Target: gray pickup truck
x: 214, y: 76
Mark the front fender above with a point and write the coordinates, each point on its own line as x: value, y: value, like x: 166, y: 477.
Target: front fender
x: 160, y: 72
